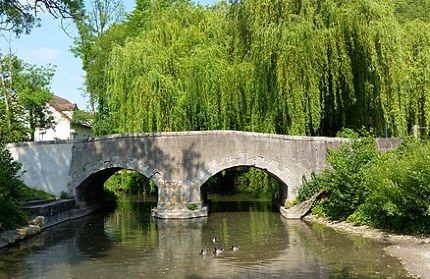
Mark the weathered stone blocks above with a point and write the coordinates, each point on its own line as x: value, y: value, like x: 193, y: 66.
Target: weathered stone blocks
x: 178, y: 163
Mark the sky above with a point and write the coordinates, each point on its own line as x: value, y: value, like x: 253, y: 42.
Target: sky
x: 49, y: 44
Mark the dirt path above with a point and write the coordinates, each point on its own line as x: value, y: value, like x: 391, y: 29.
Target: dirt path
x: 413, y: 252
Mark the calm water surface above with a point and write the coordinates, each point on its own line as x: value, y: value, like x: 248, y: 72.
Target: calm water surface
x: 127, y: 243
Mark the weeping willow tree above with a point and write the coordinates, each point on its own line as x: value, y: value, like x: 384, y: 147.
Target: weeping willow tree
x: 299, y: 67
x: 178, y: 74
x: 417, y: 43
x: 324, y: 65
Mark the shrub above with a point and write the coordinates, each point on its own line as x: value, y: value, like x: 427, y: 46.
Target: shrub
x: 313, y: 186
x: 347, y: 133
x: 343, y: 183
x: 360, y: 217
x: 11, y: 215
x: 344, y: 186
x: 353, y: 134
x: 25, y: 193
x: 318, y: 209
x: 386, y: 190
x: 399, y: 187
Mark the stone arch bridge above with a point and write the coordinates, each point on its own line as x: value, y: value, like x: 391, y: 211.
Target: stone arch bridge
x: 179, y: 163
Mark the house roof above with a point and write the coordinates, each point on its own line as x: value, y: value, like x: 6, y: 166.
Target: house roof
x: 61, y: 104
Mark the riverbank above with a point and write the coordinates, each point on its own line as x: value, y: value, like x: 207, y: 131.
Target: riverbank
x: 412, y: 251
x: 49, y: 214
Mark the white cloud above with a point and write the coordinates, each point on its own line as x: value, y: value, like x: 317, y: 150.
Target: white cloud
x: 42, y: 55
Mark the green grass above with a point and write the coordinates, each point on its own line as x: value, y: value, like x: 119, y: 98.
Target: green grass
x: 28, y: 194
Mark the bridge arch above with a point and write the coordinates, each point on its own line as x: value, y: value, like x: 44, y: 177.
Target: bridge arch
x: 270, y: 166
x: 279, y: 198
x: 87, y: 185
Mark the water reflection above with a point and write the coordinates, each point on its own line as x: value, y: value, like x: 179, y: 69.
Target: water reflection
x: 127, y: 243
x: 349, y: 256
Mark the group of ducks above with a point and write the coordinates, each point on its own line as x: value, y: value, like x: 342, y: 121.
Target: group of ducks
x: 217, y: 251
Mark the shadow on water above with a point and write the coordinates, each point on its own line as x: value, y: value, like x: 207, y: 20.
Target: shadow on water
x: 65, y: 244
x: 127, y: 243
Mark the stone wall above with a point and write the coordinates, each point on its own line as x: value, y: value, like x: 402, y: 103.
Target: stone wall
x: 45, y: 165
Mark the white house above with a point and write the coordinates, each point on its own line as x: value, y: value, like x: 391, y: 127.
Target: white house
x: 64, y: 129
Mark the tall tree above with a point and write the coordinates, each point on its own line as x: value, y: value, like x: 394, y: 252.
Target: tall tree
x: 33, y: 95
x: 28, y: 95
x: 283, y: 66
x: 93, y: 45
x: 299, y: 67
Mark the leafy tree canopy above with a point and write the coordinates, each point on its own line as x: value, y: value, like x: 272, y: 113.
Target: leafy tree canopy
x: 21, y: 16
x: 298, y: 67
x: 23, y: 99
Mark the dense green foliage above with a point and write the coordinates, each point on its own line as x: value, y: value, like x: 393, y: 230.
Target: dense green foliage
x: 285, y: 66
x: 385, y: 190
x: 82, y: 117
x: 344, y: 182
x: 254, y: 181
x: 24, y: 93
x: 299, y: 67
x: 11, y: 215
x: 400, y: 189
x: 130, y: 182
x: 26, y: 194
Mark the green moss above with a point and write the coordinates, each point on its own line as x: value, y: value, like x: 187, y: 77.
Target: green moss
x: 192, y: 206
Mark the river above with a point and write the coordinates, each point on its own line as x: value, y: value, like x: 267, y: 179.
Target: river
x: 127, y: 243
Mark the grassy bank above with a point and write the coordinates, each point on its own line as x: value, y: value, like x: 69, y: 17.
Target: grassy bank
x: 14, y: 193
x: 387, y: 190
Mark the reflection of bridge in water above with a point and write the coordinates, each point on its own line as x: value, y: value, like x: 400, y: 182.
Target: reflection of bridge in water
x: 127, y: 244
x: 178, y: 163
